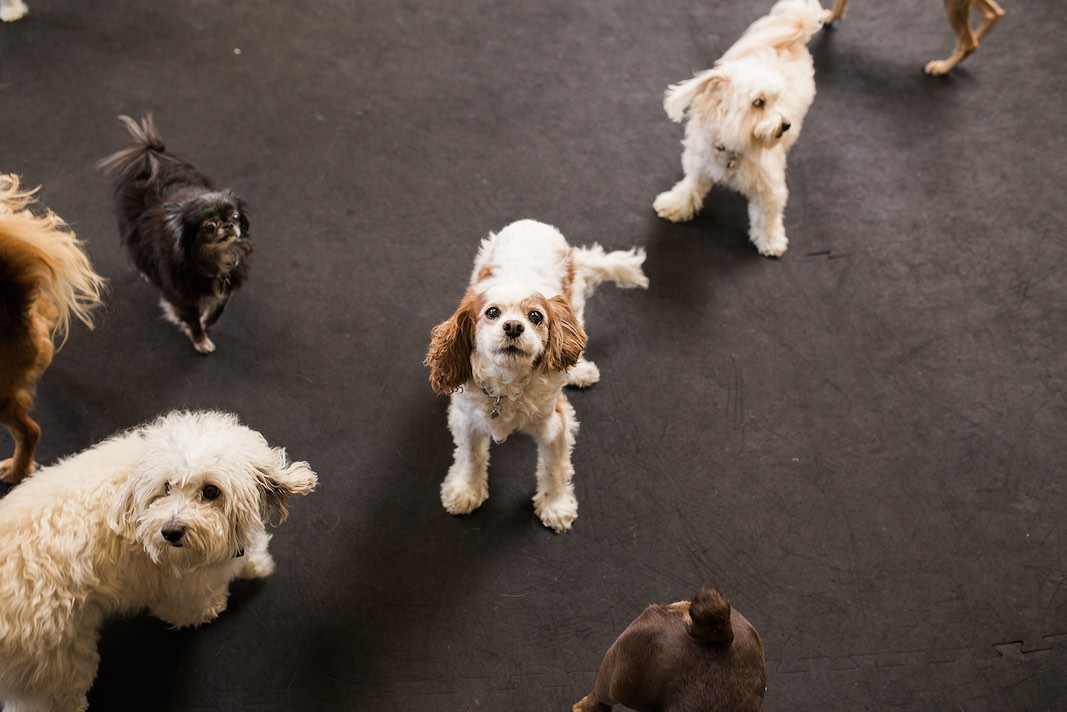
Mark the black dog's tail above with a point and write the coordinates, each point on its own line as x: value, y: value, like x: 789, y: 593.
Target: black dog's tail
x: 141, y: 160
x: 710, y: 616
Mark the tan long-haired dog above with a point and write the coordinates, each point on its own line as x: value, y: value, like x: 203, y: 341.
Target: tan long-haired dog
x: 45, y: 278
x: 959, y: 18
x: 509, y: 349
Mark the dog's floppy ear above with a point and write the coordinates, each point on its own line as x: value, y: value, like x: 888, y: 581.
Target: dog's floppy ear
x: 451, y: 343
x: 281, y: 479
x: 566, y: 337
x: 706, y: 86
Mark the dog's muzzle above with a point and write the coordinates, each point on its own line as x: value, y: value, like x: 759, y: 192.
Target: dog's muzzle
x: 173, y: 533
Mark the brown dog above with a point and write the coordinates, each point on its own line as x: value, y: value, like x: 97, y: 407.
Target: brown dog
x: 690, y: 656
x: 959, y: 17
x: 44, y: 278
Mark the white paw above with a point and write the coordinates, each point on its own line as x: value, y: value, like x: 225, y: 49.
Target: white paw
x: 11, y: 10
x: 461, y: 497
x: 583, y: 374
x: 671, y: 207
x: 557, y: 514
x: 204, y: 345
x: 772, y: 247
x: 258, y: 564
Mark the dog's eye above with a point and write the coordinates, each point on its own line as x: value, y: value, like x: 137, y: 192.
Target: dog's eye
x: 536, y: 317
x: 166, y: 488
x: 211, y: 225
x: 758, y: 103
x: 210, y: 492
x: 492, y: 312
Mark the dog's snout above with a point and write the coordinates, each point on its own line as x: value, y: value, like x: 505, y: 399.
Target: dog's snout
x: 172, y: 532
x: 513, y: 329
x: 785, y: 126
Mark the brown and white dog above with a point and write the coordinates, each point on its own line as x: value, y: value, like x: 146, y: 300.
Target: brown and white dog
x: 959, y: 18
x: 45, y: 277
x: 509, y: 349
x: 690, y: 656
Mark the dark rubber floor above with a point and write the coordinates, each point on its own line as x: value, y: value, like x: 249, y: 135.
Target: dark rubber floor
x: 863, y: 442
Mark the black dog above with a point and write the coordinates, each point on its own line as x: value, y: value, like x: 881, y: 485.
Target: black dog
x: 690, y: 656
x: 188, y: 238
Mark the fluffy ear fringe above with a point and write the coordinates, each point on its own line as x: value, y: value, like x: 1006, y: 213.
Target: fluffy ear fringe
x: 283, y: 480
x: 566, y: 337
x: 679, y: 97
x: 451, y: 343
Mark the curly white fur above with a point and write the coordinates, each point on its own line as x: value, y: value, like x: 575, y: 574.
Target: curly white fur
x: 514, y: 342
x: 163, y: 517
x: 744, y: 115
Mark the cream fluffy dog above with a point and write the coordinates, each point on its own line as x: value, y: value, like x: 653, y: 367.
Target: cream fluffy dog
x: 744, y: 114
x: 516, y: 339
x: 163, y: 516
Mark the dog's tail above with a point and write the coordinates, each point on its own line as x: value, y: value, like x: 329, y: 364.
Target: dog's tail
x: 592, y: 265
x: 789, y: 22
x: 709, y: 614
x: 141, y: 160
x: 40, y: 256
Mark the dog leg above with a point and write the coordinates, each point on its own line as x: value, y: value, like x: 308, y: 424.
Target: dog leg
x: 258, y: 563
x: 686, y: 198
x: 766, y: 209
x: 838, y: 13
x: 26, y: 434
x: 590, y: 703
x: 188, y: 320
x: 466, y: 486
x: 958, y: 12
x: 554, y: 501
x: 210, y: 316
x: 991, y: 14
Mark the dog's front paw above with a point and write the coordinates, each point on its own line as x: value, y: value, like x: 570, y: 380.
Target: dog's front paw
x: 461, y: 497
x: 204, y: 345
x: 772, y: 246
x: 8, y: 474
x: 676, y: 206
x: 13, y: 10
x: 559, y: 513
x: 583, y: 374
x: 258, y: 564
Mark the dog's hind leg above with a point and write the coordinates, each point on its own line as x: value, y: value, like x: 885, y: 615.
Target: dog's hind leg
x: 554, y: 501
x: 590, y: 703
x: 26, y: 433
x: 958, y: 12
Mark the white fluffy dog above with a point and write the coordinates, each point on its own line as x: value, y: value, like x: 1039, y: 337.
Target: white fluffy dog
x: 744, y: 114
x: 514, y: 342
x: 163, y: 516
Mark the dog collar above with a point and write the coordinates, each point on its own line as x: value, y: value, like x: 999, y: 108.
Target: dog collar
x: 496, y: 402
x: 731, y: 156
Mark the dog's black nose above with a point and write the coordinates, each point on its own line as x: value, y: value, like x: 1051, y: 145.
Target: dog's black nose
x: 172, y: 532
x: 785, y: 126
x: 513, y: 329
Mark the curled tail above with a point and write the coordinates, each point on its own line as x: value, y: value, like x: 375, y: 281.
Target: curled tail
x: 789, y: 22
x: 592, y: 265
x: 710, y: 616
x: 39, y: 255
x: 141, y: 160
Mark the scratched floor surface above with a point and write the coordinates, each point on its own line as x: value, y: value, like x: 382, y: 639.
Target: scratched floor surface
x: 863, y: 442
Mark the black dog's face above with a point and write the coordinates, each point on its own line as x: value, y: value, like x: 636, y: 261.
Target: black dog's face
x: 211, y: 230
